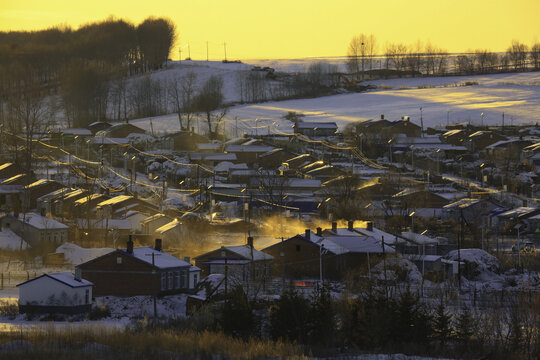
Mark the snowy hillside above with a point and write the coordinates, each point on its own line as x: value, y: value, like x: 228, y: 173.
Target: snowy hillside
x: 442, y: 99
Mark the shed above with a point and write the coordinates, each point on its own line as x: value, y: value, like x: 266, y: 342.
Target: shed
x: 55, y: 293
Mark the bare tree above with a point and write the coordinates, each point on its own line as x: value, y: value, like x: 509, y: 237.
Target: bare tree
x: 360, y: 53
x: 517, y: 53
x: 210, y: 102
x: 535, y: 55
x: 395, y: 56
x: 29, y: 113
x: 181, y: 93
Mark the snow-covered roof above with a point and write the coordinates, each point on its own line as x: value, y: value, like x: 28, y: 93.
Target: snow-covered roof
x: 11, y: 241
x: 5, y: 166
x: 314, y: 125
x: 109, y: 141
x: 153, y: 217
x: 208, y: 146
x: 213, y: 156
x: 76, y: 131
x: 419, y: 238
x: 161, y: 259
x: 115, y: 200
x: 517, y: 212
x: 168, y: 226
x: 38, y: 183
x: 40, y: 222
x: 311, y: 183
x: 248, y: 148
x: 245, y: 252
x: 462, y: 203
x: 88, y: 198
x: 227, y: 165
x: 355, y: 244
x: 65, y: 278
x: 453, y: 132
x: 379, y: 235
x: 76, y: 255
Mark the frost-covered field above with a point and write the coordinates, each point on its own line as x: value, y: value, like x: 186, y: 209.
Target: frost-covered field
x: 442, y: 99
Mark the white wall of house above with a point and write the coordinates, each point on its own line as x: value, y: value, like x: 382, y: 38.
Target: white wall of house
x: 135, y: 221
x: 49, y: 292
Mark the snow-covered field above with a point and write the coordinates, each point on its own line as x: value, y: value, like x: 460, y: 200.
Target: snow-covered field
x: 442, y: 99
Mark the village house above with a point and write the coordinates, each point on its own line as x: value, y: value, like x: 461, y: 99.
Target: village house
x: 240, y: 264
x: 182, y: 141
x: 315, y: 129
x: 63, y: 293
x: 37, y: 229
x: 151, y: 223
x: 98, y: 126
x: 8, y: 170
x: 139, y: 271
x: 170, y: 232
x: 472, y: 210
x: 37, y: 189
x: 248, y: 154
x: 121, y: 130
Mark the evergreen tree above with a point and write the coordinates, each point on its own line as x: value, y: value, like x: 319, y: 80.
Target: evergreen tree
x: 442, y: 324
x: 464, y: 326
x: 321, y: 318
x: 289, y: 317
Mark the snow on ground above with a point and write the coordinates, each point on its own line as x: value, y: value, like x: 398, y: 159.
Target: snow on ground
x: 77, y: 255
x: 515, y: 94
x: 229, y: 72
x: 172, y: 306
x: 479, y: 259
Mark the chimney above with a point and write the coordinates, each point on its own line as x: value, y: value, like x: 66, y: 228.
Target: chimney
x: 187, y: 259
x: 250, y: 241
x: 334, y: 226
x: 158, y: 245
x: 319, y: 231
x: 369, y: 226
x: 350, y: 225
x: 78, y: 274
x: 43, y: 212
x: 129, y: 247
x: 382, y: 116
x: 308, y: 234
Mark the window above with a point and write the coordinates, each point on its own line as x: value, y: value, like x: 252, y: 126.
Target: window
x: 87, y: 296
x: 163, y: 281
x: 297, y: 247
x: 170, y: 280
x: 177, y: 279
x: 119, y: 260
x: 183, y: 280
x: 195, y: 279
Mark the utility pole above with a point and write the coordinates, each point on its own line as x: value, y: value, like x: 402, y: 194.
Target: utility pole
x: 460, y: 239
x: 422, y: 122
x: 189, y: 51
x: 384, y: 268
x: 282, y: 254
x: 207, y: 51
x: 225, y: 50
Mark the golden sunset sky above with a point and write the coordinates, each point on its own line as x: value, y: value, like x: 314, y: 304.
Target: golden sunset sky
x: 298, y: 28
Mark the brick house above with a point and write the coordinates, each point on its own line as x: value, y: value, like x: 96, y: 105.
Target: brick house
x: 139, y: 271
x: 242, y: 263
